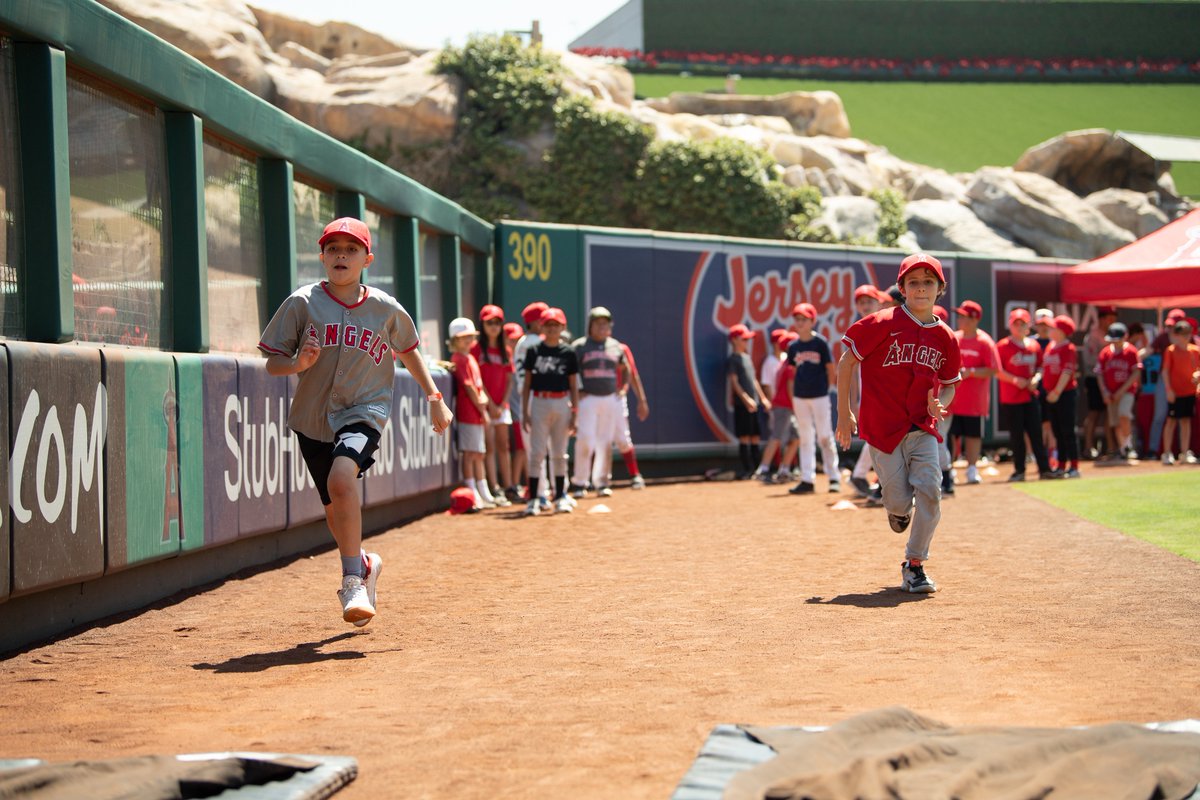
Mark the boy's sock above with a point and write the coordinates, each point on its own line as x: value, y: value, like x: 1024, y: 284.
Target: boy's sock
x: 559, y: 482
x: 481, y: 486
x: 533, y: 488
x: 631, y: 464
x: 353, y: 565
x: 474, y: 490
x: 755, y: 454
x: 744, y: 457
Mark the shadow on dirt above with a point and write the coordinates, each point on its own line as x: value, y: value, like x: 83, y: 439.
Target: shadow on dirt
x: 886, y: 597
x: 304, y: 653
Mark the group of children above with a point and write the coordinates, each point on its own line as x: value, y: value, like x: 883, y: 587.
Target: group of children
x: 522, y: 395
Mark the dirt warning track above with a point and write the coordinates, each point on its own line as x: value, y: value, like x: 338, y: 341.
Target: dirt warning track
x: 591, y: 654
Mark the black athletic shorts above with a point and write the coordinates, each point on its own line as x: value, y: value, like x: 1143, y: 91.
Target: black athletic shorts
x: 1091, y: 387
x: 1182, y: 408
x: 357, y: 442
x: 966, y: 426
x: 745, y: 423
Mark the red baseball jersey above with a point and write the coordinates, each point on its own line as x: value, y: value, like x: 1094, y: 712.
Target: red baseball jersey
x: 466, y: 372
x: 1021, y: 358
x: 902, y: 358
x: 782, y: 396
x: 494, y: 368
x: 973, y: 398
x: 1057, y: 359
x: 1115, y: 366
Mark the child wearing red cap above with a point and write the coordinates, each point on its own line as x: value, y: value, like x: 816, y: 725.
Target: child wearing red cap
x: 531, y: 315
x: 910, y: 366
x: 496, y: 368
x: 812, y: 360
x: 784, y: 433
x: 748, y: 397
x: 972, y: 400
x: 338, y: 335
x: 1059, y: 363
x: 519, y: 466
x: 1119, y: 368
x: 549, y: 402
x: 1019, y: 374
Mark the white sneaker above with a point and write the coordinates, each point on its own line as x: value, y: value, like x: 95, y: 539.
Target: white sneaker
x: 604, y: 491
x: 1189, y: 457
x: 1168, y: 459
x: 532, y: 508
x: 563, y: 505
x: 580, y: 492
x: 374, y: 568
x: 356, y: 605
x: 973, y: 475
x: 638, y: 482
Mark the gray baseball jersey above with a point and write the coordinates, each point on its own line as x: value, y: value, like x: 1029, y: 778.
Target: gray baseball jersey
x: 352, y: 379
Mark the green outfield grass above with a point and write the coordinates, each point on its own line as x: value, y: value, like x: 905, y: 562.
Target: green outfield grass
x: 963, y: 126
x: 1158, y: 508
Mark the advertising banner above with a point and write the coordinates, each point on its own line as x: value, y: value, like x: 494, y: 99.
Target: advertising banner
x: 675, y: 299
x: 59, y: 429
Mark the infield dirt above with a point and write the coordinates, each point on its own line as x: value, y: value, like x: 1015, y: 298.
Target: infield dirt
x: 589, y: 655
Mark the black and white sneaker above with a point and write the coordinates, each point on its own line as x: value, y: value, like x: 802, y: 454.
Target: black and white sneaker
x: 861, y: 487
x: 913, y: 579
x: 804, y: 487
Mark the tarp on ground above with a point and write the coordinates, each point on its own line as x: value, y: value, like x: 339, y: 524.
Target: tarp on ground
x: 1159, y: 270
x: 898, y: 754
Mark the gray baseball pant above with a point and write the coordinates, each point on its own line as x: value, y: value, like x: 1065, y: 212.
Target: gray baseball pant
x: 549, y: 420
x: 911, y: 471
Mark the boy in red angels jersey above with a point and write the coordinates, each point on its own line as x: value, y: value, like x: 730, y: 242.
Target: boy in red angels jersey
x: 1118, y: 365
x: 1019, y: 374
x: 338, y: 335
x: 1060, y: 363
x: 910, y: 364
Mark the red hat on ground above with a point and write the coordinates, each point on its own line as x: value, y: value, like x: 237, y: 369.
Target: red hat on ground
x: 740, y: 331
x: 491, y: 312
x: 462, y: 501
x: 1021, y: 314
x: 941, y: 314
x: 554, y: 315
x: 970, y: 308
x: 1064, y: 324
x: 533, y: 312
x: 349, y: 226
x: 917, y: 261
x: 804, y: 310
x: 513, y: 331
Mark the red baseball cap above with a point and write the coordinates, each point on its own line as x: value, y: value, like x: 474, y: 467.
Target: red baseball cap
x: 462, y: 501
x: 491, y: 312
x: 1102, y: 311
x: 740, y: 331
x: 533, y: 311
x: 1176, y: 313
x: 554, y: 315
x: 1021, y: 314
x: 513, y: 331
x: 970, y: 308
x: 917, y: 261
x: 1064, y: 324
x: 866, y: 290
x: 350, y: 226
x: 1194, y: 323
x: 790, y: 336
x: 941, y: 314
x: 779, y: 334
x: 804, y: 310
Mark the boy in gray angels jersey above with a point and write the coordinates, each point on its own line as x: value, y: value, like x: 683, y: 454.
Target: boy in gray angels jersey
x: 338, y: 336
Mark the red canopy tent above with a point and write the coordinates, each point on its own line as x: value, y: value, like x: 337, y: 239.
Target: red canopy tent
x: 1157, y: 271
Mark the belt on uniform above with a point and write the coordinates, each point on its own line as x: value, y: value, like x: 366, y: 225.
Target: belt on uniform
x: 551, y: 394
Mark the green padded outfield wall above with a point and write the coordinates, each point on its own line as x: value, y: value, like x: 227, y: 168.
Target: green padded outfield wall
x: 189, y: 399
x: 539, y: 261
x: 919, y: 29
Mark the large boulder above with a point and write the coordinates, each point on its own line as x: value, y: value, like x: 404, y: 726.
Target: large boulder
x: 221, y: 34
x: 606, y: 82
x: 331, y: 40
x: 1131, y: 210
x: 1039, y: 213
x: 809, y: 113
x: 1090, y: 160
x: 937, y: 184
x: 849, y: 217
x: 373, y: 102
x: 845, y: 157
x: 949, y: 225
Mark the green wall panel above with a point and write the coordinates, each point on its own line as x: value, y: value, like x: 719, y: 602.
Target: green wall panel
x: 540, y: 262
x: 189, y: 401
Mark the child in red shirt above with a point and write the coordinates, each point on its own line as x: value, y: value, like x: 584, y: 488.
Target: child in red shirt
x: 471, y: 408
x: 1179, y: 372
x: 1019, y: 374
x: 1118, y: 366
x: 1059, y: 365
x: 496, y: 368
x: 972, y: 398
x: 910, y: 364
